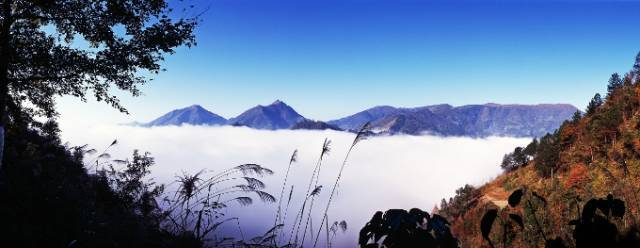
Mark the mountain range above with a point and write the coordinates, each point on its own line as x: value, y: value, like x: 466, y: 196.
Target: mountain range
x: 480, y: 120
x: 468, y: 120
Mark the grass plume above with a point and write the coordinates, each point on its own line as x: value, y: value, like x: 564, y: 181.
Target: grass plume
x: 362, y: 134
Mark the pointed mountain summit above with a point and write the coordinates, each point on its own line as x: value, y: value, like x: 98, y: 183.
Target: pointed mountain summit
x: 193, y: 115
x: 277, y: 115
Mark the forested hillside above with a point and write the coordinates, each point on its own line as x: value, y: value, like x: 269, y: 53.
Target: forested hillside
x: 596, y: 155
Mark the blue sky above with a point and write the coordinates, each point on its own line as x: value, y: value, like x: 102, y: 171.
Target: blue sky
x: 330, y: 58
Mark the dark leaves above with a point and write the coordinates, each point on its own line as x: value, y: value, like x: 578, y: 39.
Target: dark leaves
x: 617, y: 208
x: 438, y: 223
x: 607, y: 206
x: 515, y: 197
x: 604, y: 206
x: 373, y: 229
x: 539, y: 197
x: 43, y: 63
x: 589, y: 210
x: 487, y: 222
x: 398, y: 228
x: 554, y: 243
x: 517, y: 219
x: 594, y: 228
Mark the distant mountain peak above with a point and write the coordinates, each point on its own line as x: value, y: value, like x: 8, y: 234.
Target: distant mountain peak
x: 192, y: 115
x: 195, y: 106
x: 277, y: 115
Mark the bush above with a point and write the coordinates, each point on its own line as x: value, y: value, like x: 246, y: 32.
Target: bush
x: 54, y: 202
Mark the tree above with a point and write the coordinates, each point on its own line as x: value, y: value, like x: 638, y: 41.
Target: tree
x: 547, y: 155
x: 615, y: 82
x: 518, y: 158
x: 576, y: 117
x: 56, y: 203
x: 508, y: 163
x: 636, y: 66
x: 42, y: 51
x: 531, y: 148
x: 628, y: 79
x: 595, y: 103
x: 607, y: 121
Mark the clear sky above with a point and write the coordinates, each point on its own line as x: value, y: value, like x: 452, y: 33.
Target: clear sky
x: 329, y: 59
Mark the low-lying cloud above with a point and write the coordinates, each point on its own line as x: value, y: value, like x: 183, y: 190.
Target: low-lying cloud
x: 382, y: 172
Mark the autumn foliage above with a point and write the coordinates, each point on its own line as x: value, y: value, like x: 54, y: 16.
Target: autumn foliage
x: 593, y: 155
x: 578, y: 176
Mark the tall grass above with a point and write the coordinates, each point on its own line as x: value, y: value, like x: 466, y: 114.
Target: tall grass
x: 361, y: 135
x: 197, y: 204
x: 326, y: 147
x: 302, y: 225
x: 294, y: 158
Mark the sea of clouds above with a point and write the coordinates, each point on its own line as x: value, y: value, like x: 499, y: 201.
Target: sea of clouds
x: 382, y: 172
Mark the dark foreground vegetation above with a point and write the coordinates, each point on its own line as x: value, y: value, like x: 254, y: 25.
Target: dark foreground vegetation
x: 49, y: 199
x: 60, y: 196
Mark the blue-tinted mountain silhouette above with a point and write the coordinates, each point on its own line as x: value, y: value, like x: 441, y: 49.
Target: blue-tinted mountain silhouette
x: 469, y: 120
x: 277, y: 115
x: 445, y: 120
x: 193, y: 115
x: 314, y: 125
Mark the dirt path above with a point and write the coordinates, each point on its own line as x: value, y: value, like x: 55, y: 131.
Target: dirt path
x: 497, y: 196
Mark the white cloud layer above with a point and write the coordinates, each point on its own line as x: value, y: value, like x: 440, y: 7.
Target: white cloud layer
x: 382, y: 172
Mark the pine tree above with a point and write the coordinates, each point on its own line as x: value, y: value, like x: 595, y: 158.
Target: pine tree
x: 615, y: 82
x: 636, y: 66
x: 531, y: 148
x: 576, y: 117
x: 628, y: 79
x: 595, y: 103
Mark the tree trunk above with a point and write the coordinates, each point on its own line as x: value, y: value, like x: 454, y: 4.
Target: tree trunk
x: 1, y: 145
x: 5, y: 47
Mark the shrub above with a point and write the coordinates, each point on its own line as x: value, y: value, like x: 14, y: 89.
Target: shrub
x: 578, y: 175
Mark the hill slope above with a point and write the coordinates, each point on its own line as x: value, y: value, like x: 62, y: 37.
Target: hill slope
x: 588, y: 157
